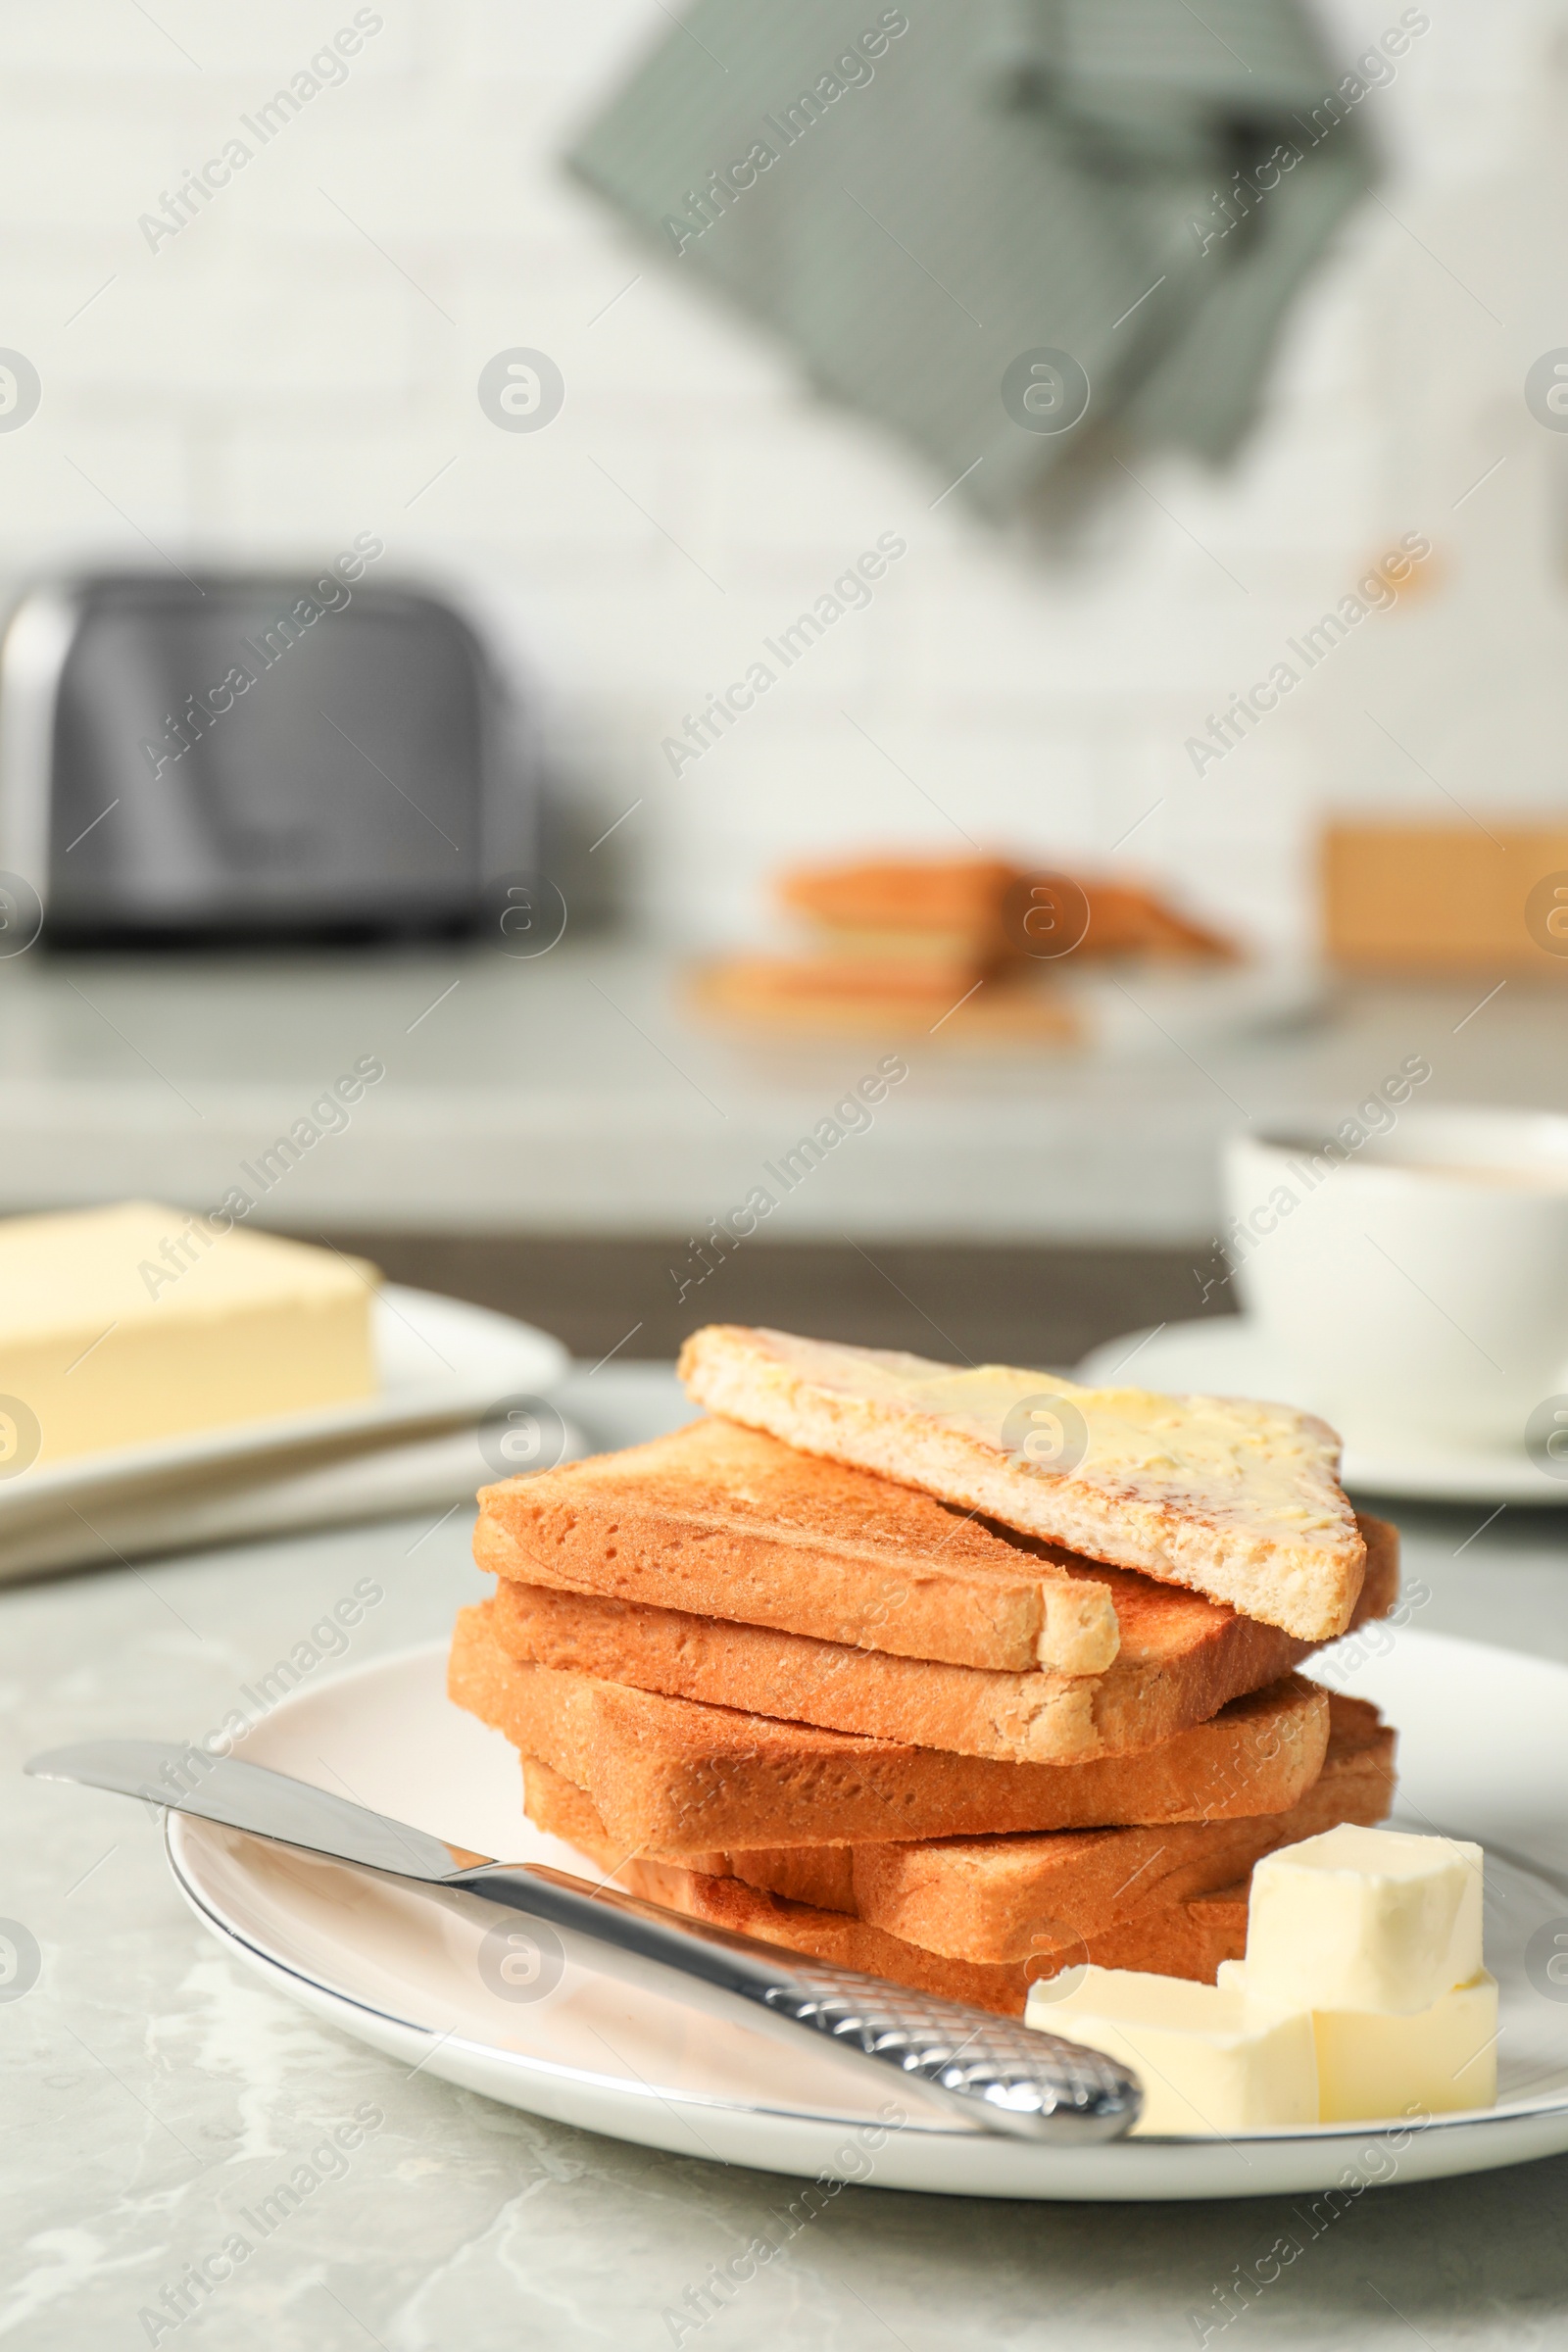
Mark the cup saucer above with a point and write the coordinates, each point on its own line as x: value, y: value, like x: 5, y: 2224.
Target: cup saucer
x: 1228, y: 1355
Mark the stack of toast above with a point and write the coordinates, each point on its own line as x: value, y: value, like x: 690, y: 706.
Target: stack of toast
x: 899, y: 943
x: 847, y: 1667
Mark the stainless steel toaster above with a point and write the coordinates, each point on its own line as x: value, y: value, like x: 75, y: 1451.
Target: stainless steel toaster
x: 257, y: 756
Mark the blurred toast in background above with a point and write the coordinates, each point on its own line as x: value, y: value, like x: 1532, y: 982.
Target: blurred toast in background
x: 930, y: 911
x: 792, y: 996
x: 967, y: 945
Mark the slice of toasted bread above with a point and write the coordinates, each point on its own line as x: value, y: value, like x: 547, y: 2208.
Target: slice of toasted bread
x: 1177, y: 1940
x: 1129, y: 921
x: 823, y: 1874
x: 1187, y: 1938
x: 976, y: 903
x: 945, y: 895
x: 829, y: 1935
x: 1182, y: 1658
x: 676, y: 1778
x: 1237, y: 1500
x: 1014, y: 1898
x: 856, y: 1000
x: 1004, y: 1898
x: 727, y: 1522
x: 563, y: 1810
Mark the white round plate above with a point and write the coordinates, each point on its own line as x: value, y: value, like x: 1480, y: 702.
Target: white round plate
x: 1483, y: 1754
x: 1227, y: 1355
x: 1143, y: 1008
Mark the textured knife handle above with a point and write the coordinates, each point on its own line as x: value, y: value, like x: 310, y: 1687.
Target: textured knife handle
x: 1001, y: 2071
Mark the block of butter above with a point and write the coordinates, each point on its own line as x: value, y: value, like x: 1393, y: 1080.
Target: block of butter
x: 1364, y: 1919
x: 131, y: 1323
x: 1370, y: 2065
x: 1209, y: 2061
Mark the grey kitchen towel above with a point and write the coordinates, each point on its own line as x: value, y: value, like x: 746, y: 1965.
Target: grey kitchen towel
x: 1000, y: 228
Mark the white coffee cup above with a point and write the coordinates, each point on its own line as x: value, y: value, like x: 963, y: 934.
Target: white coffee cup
x: 1415, y: 1281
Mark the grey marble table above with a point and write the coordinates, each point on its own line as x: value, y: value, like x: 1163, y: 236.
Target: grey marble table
x: 152, y: 2088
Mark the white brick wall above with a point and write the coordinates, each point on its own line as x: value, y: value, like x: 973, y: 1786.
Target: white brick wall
x: 297, y: 366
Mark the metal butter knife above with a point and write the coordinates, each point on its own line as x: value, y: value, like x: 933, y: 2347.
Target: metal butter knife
x: 996, y: 2070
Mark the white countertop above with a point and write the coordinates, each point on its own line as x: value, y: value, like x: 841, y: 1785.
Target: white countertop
x: 572, y: 1094
x: 153, y: 2087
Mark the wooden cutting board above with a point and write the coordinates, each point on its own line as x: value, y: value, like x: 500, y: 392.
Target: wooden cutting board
x: 1437, y: 899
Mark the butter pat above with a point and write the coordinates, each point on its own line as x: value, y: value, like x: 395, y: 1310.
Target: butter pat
x: 1370, y: 2065
x: 132, y: 1323
x: 1364, y: 1919
x: 1209, y: 2061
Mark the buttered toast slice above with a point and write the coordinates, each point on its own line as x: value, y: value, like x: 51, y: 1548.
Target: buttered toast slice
x: 1236, y: 1499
